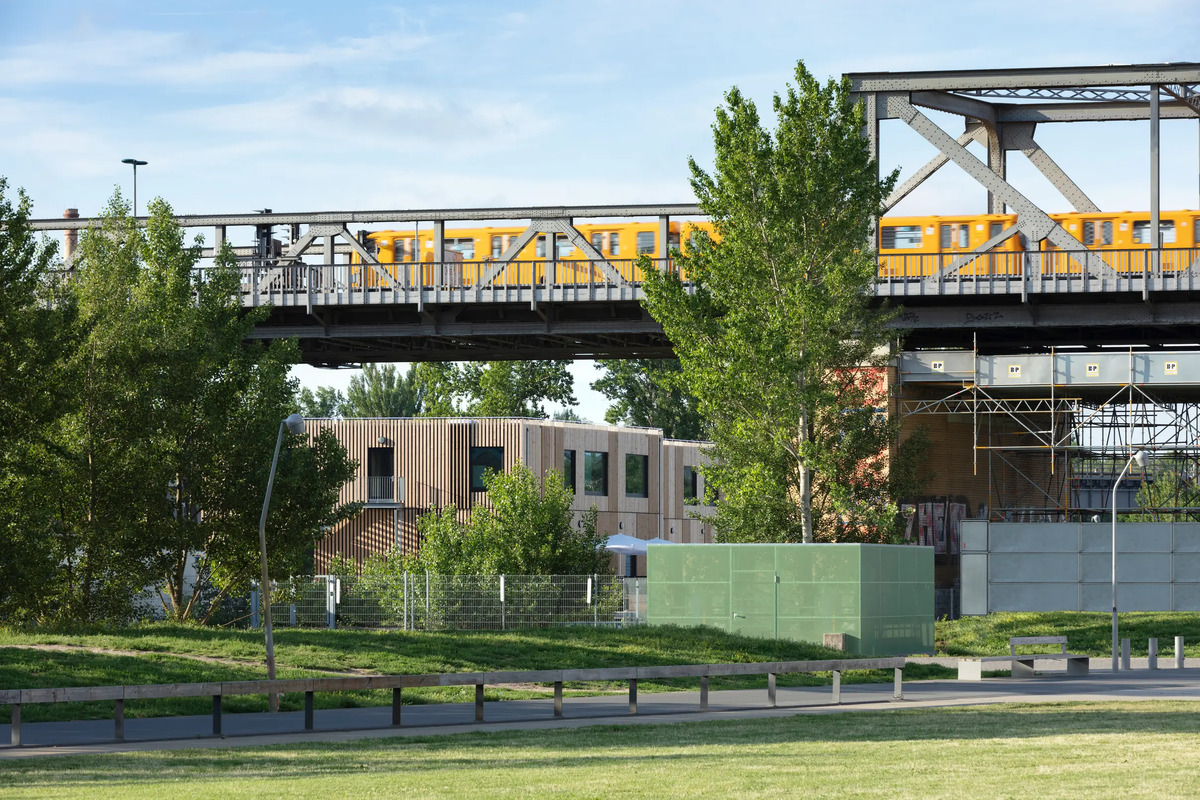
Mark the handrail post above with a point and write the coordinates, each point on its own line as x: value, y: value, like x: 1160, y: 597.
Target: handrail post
x: 1178, y: 652
x: 633, y: 695
x: 216, y: 715
x: 15, y: 733
x: 898, y: 684
x: 704, y: 693
x: 558, y: 694
x: 396, y: 706
x: 479, y: 702
x: 771, y: 689
x: 119, y: 721
x: 837, y: 687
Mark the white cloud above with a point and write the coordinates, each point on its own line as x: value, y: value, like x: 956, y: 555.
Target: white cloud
x: 142, y: 57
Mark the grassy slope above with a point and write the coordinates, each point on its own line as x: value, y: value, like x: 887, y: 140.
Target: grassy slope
x: 1086, y: 632
x: 1071, y: 750
x: 301, y: 652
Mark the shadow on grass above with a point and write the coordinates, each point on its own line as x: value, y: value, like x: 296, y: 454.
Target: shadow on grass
x: 686, y: 745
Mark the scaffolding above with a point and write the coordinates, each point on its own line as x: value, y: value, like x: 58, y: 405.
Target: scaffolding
x: 1053, y: 431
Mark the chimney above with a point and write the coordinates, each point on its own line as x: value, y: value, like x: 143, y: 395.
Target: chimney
x: 70, y: 237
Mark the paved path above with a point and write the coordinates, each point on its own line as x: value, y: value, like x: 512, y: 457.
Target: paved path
x: 170, y: 733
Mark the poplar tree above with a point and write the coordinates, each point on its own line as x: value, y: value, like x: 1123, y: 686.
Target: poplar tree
x: 778, y: 340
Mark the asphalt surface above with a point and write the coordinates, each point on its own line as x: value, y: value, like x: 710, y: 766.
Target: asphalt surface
x: 249, y: 729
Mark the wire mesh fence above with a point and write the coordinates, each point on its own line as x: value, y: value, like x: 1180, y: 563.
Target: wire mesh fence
x: 420, y: 601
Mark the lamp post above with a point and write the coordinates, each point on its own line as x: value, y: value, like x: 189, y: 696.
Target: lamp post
x: 135, y: 163
x: 1140, y: 458
x: 295, y: 425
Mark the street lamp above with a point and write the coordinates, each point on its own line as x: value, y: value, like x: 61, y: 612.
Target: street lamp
x: 295, y: 425
x: 1140, y: 458
x: 135, y: 163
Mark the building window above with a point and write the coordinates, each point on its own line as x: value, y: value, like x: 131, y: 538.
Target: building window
x: 569, y: 470
x: 645, y: 242
x: 637, y: 482
x: 484, y: 459
x: 381, y: 471
x: 614, y: 243
x: 595, y: 473
x: 690, y: 484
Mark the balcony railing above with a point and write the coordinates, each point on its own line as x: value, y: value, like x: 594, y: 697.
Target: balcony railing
x: 381, y: 489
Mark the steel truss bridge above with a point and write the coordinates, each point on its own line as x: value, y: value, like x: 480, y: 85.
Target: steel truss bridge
x: 351, y: 313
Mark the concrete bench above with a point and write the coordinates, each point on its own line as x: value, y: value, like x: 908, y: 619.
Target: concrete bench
x: 971, y: 669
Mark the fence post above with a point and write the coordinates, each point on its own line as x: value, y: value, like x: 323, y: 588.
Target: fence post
x: 503, y: 621
x: 330, y: 603
x: 426, y: 599
x: 1152, y: 652
x: 255, y: 606
x: 292, y: 614
x: 405, y: 625
x: 595, y: 581
x: 1178, y: 652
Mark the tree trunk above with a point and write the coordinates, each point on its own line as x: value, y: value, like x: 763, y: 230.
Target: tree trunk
x: 802, y: 437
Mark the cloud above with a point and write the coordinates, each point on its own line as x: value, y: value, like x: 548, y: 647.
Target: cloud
x: 142, y: 57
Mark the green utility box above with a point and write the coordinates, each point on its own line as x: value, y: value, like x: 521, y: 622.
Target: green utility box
x: 879, y: 596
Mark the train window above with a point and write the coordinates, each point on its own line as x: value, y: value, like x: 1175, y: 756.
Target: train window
x: 497, y: 246
x: 1196, y: 230
x: 994, y: 229
x: 1141, y: 231
x: 900, y: 237
x: 598, y: 242
x: 539, y: 249
x: 673, y: 240
x: 614, y: 243
x: 944, y: 242
x: 564, y: 246
x: 645, y: 242
x: 464, y: 246
x: 964, y: 235
x: 398, y: 251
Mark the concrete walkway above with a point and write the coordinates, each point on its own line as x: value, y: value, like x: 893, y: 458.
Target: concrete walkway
x: 248, y: 729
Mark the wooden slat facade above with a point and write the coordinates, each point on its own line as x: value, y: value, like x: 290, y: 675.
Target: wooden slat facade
x: 432, y: 458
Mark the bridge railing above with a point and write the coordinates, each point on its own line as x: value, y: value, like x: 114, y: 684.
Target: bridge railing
x: 1040, y: 272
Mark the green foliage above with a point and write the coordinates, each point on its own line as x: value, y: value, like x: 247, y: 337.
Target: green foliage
x: 157, y: 449
x: 445, y: 389
x: 778, y: 342
x: 34, y: 334
x: 650, y: 393
x: 527, y: 530
x: 325, y: 402
x: 1172, y: 489
x: 1086, y: 632
x: 383, y: 392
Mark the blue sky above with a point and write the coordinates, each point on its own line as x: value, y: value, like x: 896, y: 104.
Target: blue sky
x: 304, y: 106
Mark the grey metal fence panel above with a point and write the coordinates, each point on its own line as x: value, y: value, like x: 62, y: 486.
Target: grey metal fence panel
x: 420, y: 601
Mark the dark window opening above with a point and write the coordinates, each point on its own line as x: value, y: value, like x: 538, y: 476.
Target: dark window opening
x: 595, y: 473
x: 484, y: 459
x: 381, y: 471
x: 637, y: 482
x: 569, y: 470
x: 690, y: 484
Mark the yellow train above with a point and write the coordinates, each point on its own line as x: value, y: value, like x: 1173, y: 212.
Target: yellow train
x: 909, y: 247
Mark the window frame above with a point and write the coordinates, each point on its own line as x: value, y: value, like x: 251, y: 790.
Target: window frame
x: 473, y: 463
x: 588, y: 456
x: 633, y: 458
x: 691, y: 484
x: 570, y: 470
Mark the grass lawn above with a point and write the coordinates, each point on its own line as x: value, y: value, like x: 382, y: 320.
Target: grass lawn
x: 161, y: 653
x: 1089, y: 633
x: 1066, y: 750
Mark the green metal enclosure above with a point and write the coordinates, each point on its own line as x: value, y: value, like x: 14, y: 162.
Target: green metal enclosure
x: 880, y: 596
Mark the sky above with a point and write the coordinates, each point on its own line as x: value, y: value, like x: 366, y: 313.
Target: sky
x: 304, y: 106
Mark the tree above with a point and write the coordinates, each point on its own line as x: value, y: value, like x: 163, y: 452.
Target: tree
x: 649, y: 393
x: 383, y: 392
x: 326, y: 401
x: 528, y: 531
x: 778, y: 341
x: 162, y: 459
x: 514, y: 388
x: 34, y: 335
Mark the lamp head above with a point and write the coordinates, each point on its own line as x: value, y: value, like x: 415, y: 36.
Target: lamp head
x: 1140, y: 459
x: 295, y: 424
x: 135, y: 162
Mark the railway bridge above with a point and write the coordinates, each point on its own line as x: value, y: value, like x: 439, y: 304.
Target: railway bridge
x: 327, y: 286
